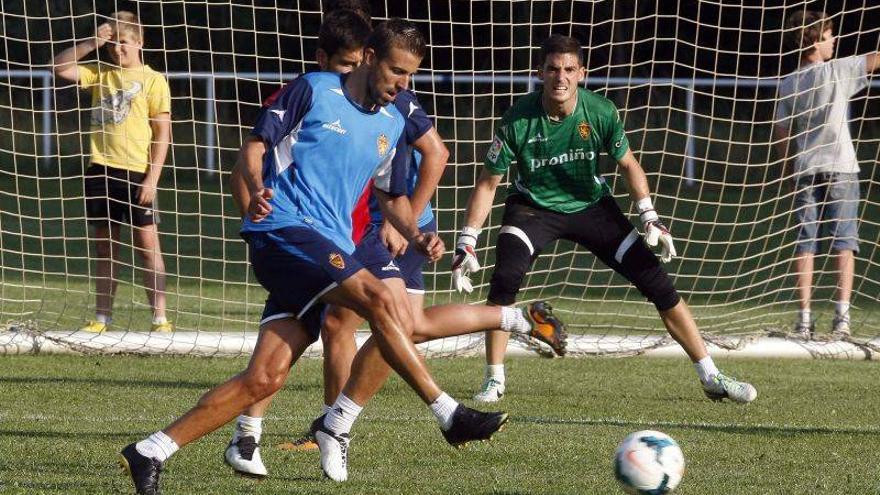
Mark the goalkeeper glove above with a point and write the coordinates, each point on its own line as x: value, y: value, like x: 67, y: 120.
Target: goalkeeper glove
x: 655, y: 231
x: 464, y: 261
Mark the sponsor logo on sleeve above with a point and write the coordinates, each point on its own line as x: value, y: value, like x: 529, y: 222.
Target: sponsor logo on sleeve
x: 495, y: 149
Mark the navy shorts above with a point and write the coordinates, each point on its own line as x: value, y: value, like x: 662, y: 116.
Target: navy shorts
x: 374, y: 256
x: 297, y: 265
x: 827, y: 202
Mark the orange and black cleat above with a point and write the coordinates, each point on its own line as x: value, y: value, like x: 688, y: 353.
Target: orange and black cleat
x: 546, y: 327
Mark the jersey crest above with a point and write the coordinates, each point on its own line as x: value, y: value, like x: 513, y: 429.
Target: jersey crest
x: 382, y: 144
x: 584, y: 130
x: 337, y: 261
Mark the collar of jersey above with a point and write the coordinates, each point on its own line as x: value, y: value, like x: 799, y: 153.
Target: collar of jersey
x: 356, y: 105
x: 547, y: 115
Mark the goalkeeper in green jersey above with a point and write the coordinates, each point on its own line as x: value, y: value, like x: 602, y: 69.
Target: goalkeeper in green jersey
x: 555, y: 135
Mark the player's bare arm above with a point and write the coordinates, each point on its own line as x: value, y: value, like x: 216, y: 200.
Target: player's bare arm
x: 434, y: 157
x: 65, y: 62
x: 464, y: 261
x: 253, y: 194
x: 637, y: 184
x: 161, y: 126
x: 872, y: 62
x: 398, y: 211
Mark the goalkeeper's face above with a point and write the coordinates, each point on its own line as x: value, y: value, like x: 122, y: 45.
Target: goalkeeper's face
x: 561, y: 74
x: 390, y: 74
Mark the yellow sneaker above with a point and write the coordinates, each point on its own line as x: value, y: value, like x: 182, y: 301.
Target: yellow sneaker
x: 162, y: 327
x: 93, y: 326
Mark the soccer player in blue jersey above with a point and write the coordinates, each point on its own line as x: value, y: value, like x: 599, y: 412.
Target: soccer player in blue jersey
x: 309, y: 157
x: 376, y: 251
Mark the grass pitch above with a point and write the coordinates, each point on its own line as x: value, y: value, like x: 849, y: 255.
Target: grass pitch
x: 813, y: 428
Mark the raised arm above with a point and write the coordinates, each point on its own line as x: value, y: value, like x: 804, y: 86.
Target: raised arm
x: 64, y: 64
x: 872, y: 61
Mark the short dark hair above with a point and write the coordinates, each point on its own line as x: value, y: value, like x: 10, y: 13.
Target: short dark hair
x: 362, y: 7
x: 397, y: 33
x: 343, y: 29
x: 558, y: 43
x: 805, y: 28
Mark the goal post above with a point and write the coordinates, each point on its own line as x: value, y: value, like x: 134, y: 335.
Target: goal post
x: 695, y: 82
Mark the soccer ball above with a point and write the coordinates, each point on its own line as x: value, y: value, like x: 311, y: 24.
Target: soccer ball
x: 648, y: 462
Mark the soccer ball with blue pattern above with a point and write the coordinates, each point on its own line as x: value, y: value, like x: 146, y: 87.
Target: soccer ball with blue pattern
x: 649, y: 463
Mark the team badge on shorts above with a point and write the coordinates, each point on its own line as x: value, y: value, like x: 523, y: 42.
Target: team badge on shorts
x: 584, y: 130
x: 382, y: 144
x: 337, y: 261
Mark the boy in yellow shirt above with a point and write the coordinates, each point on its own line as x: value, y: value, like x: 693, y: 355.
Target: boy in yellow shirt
x: 130, y: 134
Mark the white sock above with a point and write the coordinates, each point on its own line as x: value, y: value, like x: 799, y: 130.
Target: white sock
x: 512, y: 320
x: 842, y: 310
x: 325, y: 409
x: 342, y: 415
x: 443, y: 408
x: 158, y: 445
x: 495, y: 372
x: 706, y: 369
x: 102, y: 318
x: 159, y: 320
x: 248, y: 426
x: 805, y: 316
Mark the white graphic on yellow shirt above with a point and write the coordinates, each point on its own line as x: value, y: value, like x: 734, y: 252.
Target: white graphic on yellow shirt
x: 115, y: 107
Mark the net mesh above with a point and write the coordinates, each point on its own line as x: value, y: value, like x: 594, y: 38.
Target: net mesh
x: 695, y: 81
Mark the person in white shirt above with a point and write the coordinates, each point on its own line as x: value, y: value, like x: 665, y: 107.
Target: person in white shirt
x: 813, y: 137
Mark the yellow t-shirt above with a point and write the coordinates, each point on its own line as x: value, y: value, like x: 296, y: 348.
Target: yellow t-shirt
x: 123, y: 100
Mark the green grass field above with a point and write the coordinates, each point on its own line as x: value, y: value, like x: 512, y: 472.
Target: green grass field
x: 813, y: 428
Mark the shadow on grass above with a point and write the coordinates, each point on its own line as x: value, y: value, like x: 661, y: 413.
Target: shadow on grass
x: 132, y: 384
x: 757, y: 429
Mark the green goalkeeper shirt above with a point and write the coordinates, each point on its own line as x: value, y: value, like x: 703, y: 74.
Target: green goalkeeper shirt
x: 557, y: 162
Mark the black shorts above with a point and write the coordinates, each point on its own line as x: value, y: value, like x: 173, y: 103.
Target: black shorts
x: 602, y: 229
x: 111, y: 194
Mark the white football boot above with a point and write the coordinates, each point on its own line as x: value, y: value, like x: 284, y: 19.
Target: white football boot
x: 243, y: 455
x: 334, y: 450
x: 721, y: 387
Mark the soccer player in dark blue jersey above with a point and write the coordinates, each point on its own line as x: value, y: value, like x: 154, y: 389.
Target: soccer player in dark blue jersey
x: 307, y: 160
x: 425, y: 163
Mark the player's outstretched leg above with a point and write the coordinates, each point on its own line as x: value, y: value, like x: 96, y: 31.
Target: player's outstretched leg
x: 144, y: 471
x: 546, y: 327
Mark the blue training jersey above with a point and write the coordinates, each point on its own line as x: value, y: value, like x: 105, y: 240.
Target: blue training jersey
x: 417, y: 124
x: 322, y: 150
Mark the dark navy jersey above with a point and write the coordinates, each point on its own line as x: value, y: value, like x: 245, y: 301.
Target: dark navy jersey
x: 322, y: 150
x: 417, y: 124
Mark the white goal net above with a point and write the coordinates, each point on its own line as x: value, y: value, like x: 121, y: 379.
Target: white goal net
x: 696, y: 83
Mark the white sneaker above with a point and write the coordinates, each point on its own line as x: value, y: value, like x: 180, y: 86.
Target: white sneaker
x: 721, y: 387
x: 491, y: 391
x: 334, y: 450
x: 840, y: 328
x: 244, y: 457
